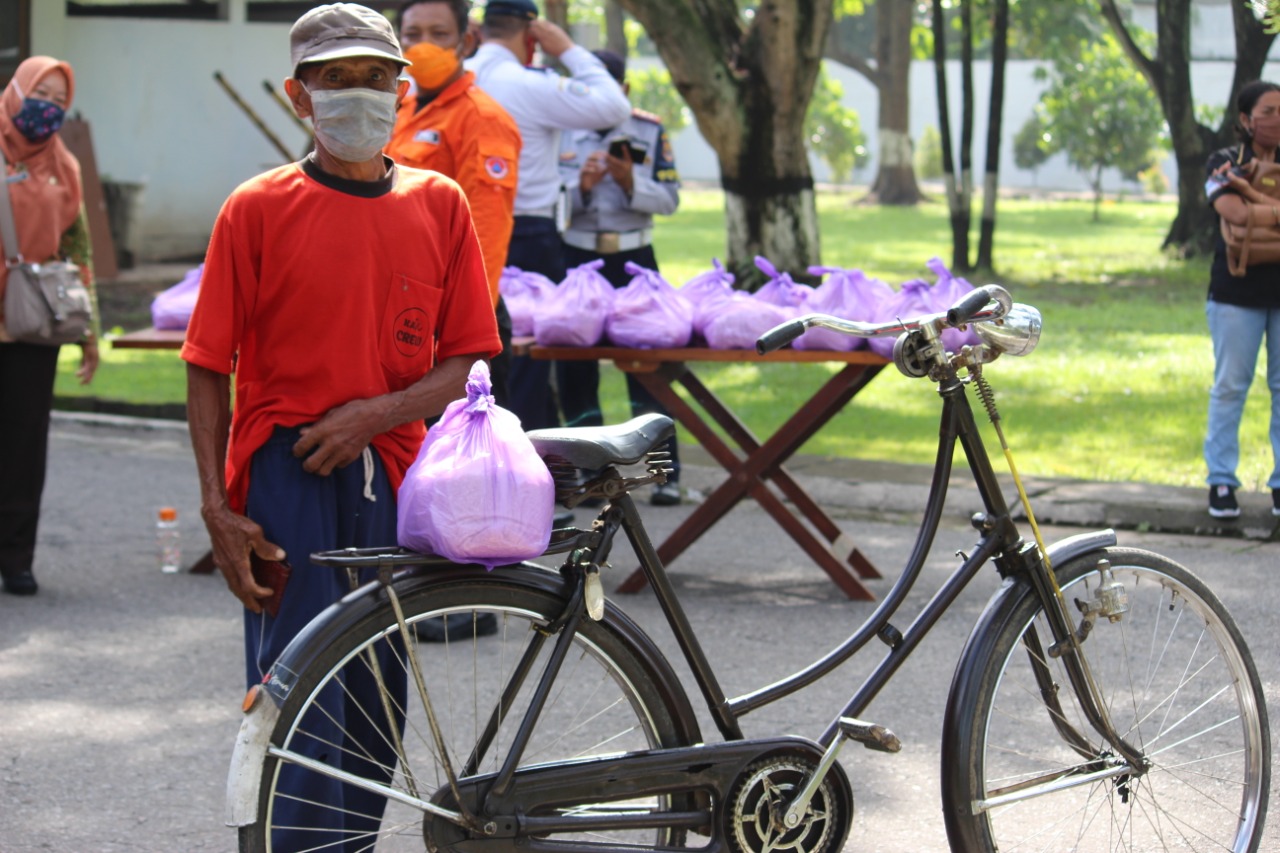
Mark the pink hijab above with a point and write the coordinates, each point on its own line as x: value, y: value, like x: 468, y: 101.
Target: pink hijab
x: 46, y: 202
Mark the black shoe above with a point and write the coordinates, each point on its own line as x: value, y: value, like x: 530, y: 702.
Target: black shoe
x: 1275, y: 501
x: 23, y: 583
x: 1222, y: 502
x: 456, y: 626
x: 665, y: 494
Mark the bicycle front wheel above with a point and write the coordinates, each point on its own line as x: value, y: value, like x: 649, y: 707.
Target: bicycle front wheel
x: 481, y: 645
x: 1180, y: 686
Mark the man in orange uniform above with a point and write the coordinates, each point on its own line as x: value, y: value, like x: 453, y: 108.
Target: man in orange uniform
x: 454, y: 128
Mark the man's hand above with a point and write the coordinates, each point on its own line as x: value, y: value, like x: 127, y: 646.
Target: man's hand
x: 232, y: 537
x: 338, y: 438
x: 620, y: 169
x: 553, y: 40
x: 592, y: 171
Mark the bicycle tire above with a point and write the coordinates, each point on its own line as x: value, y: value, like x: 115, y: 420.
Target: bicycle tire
x: 608, y: 698
x: 1180, y: 685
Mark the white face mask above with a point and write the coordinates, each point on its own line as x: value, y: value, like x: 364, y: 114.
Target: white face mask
x: 353, y: 124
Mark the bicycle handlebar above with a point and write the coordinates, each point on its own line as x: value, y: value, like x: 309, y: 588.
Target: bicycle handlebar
x: 974, y: 306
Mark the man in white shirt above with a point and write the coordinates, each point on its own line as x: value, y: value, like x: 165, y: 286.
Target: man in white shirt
x: 543, y: 104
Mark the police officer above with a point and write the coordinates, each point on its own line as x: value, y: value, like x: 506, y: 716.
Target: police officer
x: 619, y: 178
x: 543, y: 104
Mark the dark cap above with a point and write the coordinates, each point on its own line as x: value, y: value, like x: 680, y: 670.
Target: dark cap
x: 524, y: 9
x: 613, y: 63
x: 341, y: 30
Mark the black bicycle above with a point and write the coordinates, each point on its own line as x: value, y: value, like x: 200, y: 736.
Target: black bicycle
x: 1105, y: 699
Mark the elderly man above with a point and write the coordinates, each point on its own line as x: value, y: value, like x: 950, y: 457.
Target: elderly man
x: 543, y: 104
x: 348, y: 296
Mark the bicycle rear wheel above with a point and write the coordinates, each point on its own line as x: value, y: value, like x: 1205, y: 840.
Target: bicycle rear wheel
x: 607, y: 699
x: 1180, y: 686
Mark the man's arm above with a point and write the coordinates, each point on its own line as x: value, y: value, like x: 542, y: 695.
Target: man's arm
x: 588, y: 99
x: 338, y: 438
x: 231, y: 535
x: 655, y: 186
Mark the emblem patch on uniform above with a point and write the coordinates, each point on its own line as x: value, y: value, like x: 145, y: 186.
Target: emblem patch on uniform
x: 575, y: 87
x: 431, y: 137
x: 496, y: 167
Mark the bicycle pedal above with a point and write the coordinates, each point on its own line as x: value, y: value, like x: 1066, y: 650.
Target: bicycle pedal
x: 870, y: 735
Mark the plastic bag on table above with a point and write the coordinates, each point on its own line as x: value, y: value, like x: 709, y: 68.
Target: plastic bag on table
x: 574, y: 313
x: 649, y: 313
x: 782, y: 291
x: 947, y: 291
x: 740, y: 319
x: 523, y: 291
x: 704, y: 291
x: 849, y: 295
x: 911, y: 300
x: 172, y: 307
x: 478, y: 492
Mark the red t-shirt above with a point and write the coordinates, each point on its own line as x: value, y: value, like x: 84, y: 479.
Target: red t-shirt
x: 317, y: 291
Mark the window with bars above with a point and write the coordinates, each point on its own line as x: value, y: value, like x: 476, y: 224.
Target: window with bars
x: 199, y: 10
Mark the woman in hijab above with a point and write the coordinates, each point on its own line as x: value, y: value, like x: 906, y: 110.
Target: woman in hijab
x: 44, y: 187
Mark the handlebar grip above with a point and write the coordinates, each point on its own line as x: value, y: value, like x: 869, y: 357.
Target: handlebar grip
x: 779, y: 336
x: 971, y: 303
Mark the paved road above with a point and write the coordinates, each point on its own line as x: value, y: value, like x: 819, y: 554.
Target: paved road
x: 120, y: 686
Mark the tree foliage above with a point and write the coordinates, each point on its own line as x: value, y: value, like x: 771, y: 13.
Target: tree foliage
x: 1101, y: 113
x: 651, y: 91
x: 835, y: 131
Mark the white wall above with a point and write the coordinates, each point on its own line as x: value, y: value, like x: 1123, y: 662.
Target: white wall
x: 159, y: 118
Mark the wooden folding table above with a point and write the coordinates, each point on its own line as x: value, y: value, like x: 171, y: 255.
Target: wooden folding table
x: 756, y: 465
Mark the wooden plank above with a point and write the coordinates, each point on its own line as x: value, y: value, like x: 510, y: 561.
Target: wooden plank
x: 625, y: 357
x: 149, y: 339
x: 79, y: 141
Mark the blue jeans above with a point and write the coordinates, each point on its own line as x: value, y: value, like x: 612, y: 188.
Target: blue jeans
x: 1237, y: 334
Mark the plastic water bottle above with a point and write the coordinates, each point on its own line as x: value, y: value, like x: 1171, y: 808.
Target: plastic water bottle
x: 168, y: 540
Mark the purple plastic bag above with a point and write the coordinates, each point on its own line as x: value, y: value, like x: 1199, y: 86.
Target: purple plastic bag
x: 911, y: 301
x: 704, y: 290
x: 649, y: 313
x: 782, y: 291
x: 478, y: 492
x: 574, y: 313
x: 947, y: 291
x: 849, y: 295
x: 522, y: 291
x: 171, y: 309
x: 740, y: 319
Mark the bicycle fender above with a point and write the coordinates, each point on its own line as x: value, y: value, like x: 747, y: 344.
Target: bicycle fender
x: 246, y: 762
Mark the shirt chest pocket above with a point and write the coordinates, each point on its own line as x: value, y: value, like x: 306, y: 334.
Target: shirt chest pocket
x: 407, y: 337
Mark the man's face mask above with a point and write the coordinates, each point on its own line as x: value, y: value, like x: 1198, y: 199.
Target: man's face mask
x: 38, y: 119
x: 353, y: 124
x: 432, y: 66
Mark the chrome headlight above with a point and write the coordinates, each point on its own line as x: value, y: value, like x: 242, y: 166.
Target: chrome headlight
x: 1017, y: 333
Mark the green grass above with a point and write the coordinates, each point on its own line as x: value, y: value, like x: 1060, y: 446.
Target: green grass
x: 1117, y: 389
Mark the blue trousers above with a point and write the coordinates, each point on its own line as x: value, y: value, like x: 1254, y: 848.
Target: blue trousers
x: 303, y: 513
x: 1238, y: 334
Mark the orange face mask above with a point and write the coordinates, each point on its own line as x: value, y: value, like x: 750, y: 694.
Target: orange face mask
x: 432, y: 65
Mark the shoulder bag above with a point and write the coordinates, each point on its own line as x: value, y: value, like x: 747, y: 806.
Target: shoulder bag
x: 1258, y: 241
x: 44, y: 303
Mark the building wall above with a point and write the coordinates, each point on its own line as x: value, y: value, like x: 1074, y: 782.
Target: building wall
x: 159, y: 119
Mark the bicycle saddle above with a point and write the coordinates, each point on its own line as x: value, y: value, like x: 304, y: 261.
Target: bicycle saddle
x: 597, y: 446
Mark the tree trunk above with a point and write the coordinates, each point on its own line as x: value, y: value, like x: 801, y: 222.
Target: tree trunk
x: 963, y: 215
x: 959, y: 236
x: 615, y: 35
x: 748, y: 85
x: 995, y: 120
x: 557, y: 12
x: 1169, y: 73
x: 896, y: 175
